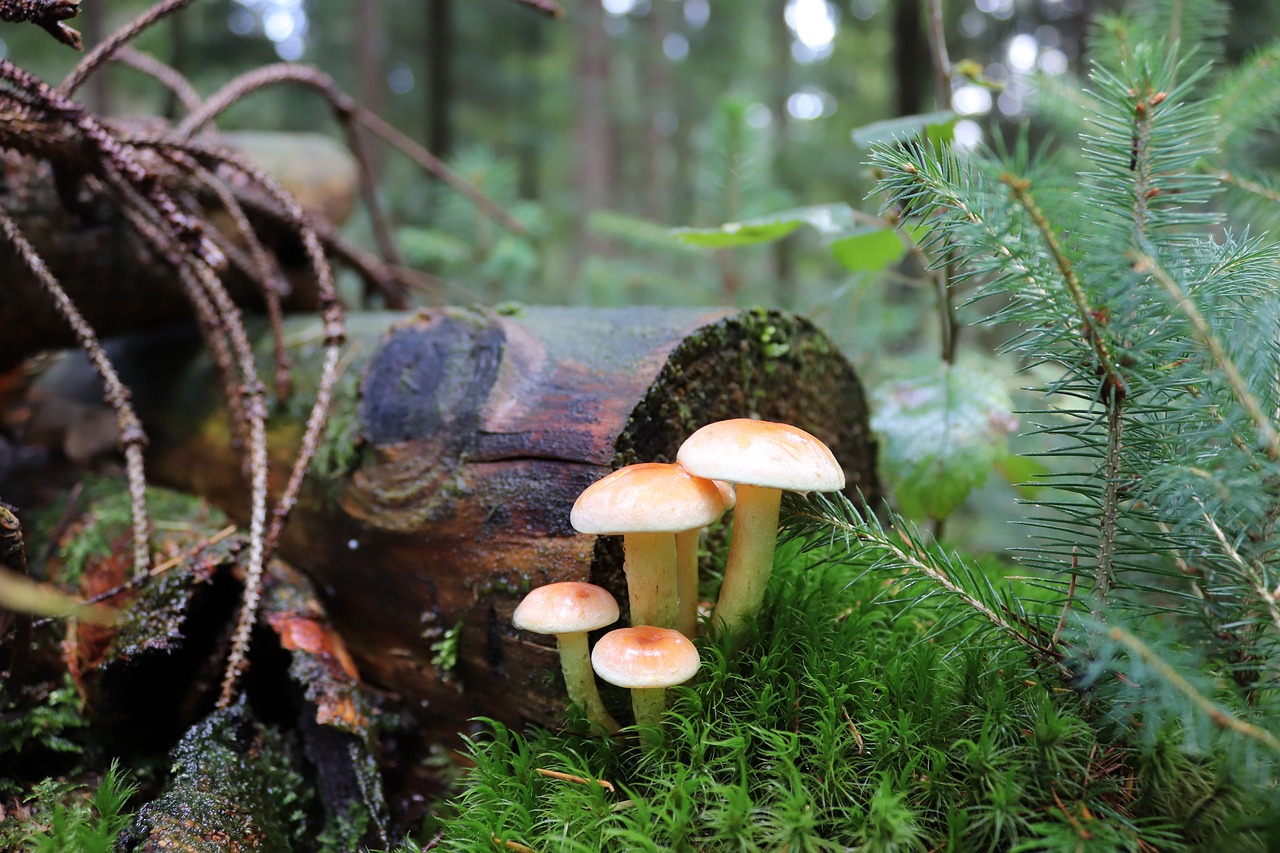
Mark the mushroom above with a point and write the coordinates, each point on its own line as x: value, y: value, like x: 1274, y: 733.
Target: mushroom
x: 762, y: 459
x: 647, y: 660
x: 569, y: 610
x: 648, y: 503
x: 687, y: 567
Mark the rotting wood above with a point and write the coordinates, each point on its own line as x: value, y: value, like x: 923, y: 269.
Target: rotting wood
x: 460, y: 439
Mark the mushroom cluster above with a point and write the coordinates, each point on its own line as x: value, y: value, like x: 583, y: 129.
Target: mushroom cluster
x: 740, y: 465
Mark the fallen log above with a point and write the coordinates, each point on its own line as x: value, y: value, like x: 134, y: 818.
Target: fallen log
x: 116, y: 280
x: 457, y: 444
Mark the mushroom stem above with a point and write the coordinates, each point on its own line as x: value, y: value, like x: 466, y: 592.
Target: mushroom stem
x: 687, y: 581
x: 648, y: 704
x: 750, y: 560
x: 580, y: 680
x: 650, y: 566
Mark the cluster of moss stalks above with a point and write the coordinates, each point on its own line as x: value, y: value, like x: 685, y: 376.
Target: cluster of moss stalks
x: 850, y: 722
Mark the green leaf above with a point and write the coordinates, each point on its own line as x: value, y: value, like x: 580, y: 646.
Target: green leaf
x: 829, y: 220
x: 935, y: 126
x: 940, y: 435
x: 868, y: 249
x: 1021, y: 472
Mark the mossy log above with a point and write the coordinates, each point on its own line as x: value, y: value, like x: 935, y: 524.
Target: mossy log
x: 457, y: 444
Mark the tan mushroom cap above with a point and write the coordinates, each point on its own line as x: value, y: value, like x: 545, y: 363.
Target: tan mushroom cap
x: 567, y: 607
x: 762, y: 453
x: 649, y: 497
x: 645, y: 657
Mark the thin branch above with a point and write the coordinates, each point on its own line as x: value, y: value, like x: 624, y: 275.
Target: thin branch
x: 166, y: 75
x: 1203, y: 332
x: 132, y: 437
x: 1109, y: 528
x: 546, y: 7
x: 102, y: 52
x: 287, y: 73
x: 1093, y: 333
x: 1251, y: 573
x: 46, y: 14
x: 1220, y: 717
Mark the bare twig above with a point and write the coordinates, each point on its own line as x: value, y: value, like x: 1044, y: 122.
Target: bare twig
x: 47, y: 14
x: 132, y: 437
x: 271, y: 75
x: 166, y: 75
x: 102, y: 52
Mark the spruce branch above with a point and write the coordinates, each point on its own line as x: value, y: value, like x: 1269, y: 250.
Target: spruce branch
x: 1089, y: 316
x: 1220, y: 717
x: 1203, y: 331
x: 1253, y: 574
x: 819, y: 518
x: 1249, y: 185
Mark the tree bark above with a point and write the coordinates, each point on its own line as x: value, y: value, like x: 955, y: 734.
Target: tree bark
x: 456, y: 448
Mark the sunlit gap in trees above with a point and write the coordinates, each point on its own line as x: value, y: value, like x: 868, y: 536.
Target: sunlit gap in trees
x: 284, y: 22
x: 1006, y: 81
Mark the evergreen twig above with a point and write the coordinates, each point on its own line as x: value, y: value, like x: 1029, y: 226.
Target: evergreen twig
x: 1203, y: 332
x: 1216, y: 713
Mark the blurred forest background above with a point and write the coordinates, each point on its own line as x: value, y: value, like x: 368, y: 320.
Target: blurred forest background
x: 602, y: 130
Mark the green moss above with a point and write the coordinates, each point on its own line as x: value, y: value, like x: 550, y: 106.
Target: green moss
x: 233, y: 786
x: 840, y: 727
x: 444, y: 652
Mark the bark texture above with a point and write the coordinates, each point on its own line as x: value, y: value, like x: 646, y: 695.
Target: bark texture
x: 459, y: 442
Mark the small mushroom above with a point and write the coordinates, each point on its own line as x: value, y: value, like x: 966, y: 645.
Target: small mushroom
x: 569, y: 610
x: 646, y: 660
x: 648, y: 503
x: 762, y: 459
x: 687, y: 567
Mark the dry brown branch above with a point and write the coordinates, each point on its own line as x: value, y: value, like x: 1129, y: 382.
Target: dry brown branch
x: 132, y: 437
x: 166, y: 75
x: 94, y: 59
x: 272, y: 75
x: 47, y: 14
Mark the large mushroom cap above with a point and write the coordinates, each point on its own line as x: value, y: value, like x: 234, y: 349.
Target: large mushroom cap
x: 650, y: 497
x: 644, y: 657
x: 762, y: 453
x: 567, y: 607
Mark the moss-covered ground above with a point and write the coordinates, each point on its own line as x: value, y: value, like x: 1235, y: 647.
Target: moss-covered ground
x: 848, y: 721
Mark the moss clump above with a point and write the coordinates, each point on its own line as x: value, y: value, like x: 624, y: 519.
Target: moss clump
x: 233, y: 786
x: 843, y: 727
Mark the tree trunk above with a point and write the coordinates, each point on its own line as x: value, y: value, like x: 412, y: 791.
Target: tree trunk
x: 456, y: 447
x: 439, y: 77
x: 912, y: 68
x: 593, y: 163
